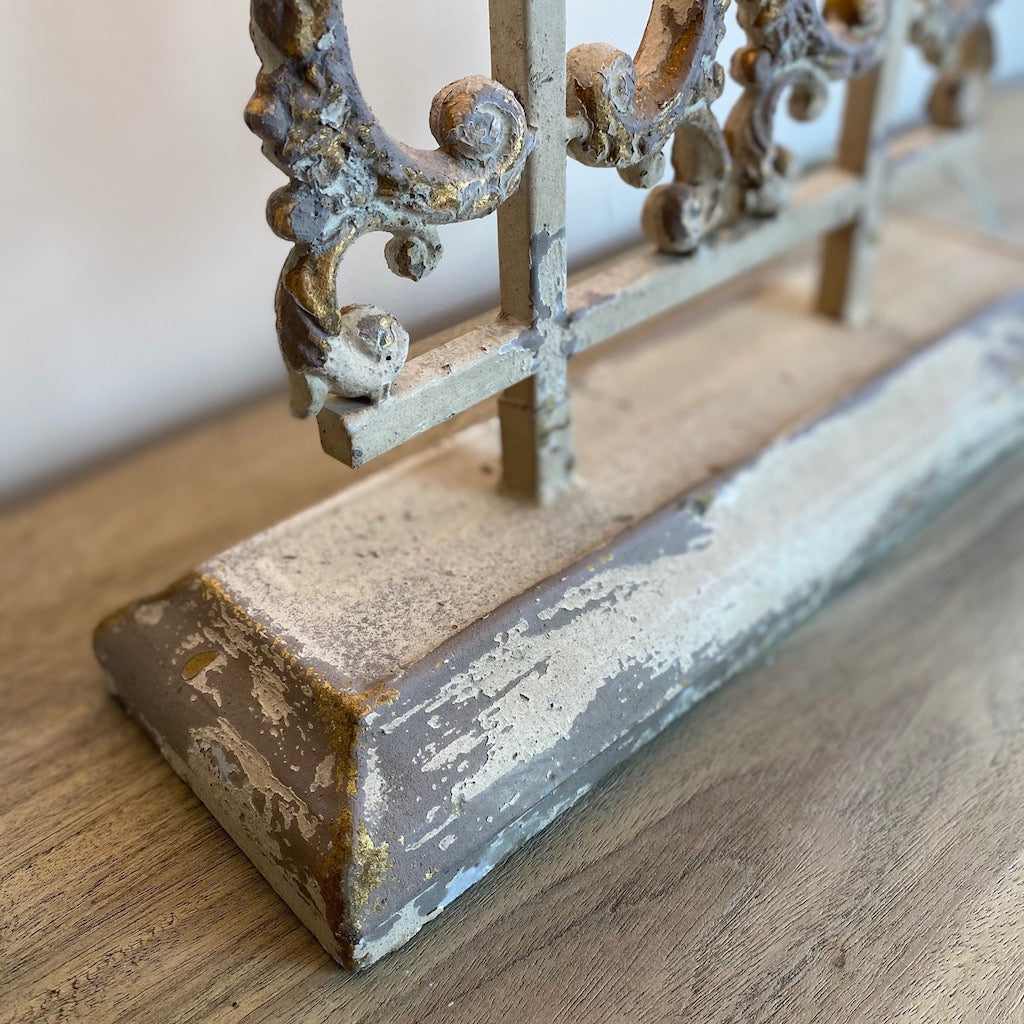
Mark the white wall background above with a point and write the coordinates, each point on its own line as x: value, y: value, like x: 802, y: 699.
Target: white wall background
x: 136, y: 270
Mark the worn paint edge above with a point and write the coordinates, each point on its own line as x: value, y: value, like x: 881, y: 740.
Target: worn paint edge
x: 930, y: 467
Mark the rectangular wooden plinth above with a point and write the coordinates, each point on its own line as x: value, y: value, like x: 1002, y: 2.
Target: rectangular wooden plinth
x: 377, y: 721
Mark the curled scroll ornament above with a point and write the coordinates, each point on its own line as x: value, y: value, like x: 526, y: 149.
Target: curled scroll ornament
x: 348, y: 178
x: 954, y: 37
x: 799, y: 47
x: 628, y: 107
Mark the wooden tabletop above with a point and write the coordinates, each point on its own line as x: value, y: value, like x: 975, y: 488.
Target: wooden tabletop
x: 837, y: 836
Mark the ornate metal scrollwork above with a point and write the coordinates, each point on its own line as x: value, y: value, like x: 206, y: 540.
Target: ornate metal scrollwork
x: 348, y: 178
x: 954, y: 37
x: 630, y: 106
x: 799, y: 47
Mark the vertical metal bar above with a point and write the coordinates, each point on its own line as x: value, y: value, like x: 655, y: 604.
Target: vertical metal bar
x: 528, y: 56
x: 850, y: 253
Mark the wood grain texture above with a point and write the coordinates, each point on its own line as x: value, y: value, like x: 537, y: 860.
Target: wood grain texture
x: 835, y: 836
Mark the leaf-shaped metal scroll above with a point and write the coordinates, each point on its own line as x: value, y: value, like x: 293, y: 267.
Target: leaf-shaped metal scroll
x: 954, y: 37
x: 349, y: 177
x: 629, y: 107
x: 796, y: 46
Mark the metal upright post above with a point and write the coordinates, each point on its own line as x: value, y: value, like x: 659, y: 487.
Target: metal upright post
x: 528, y: 57
x: 850, y: 252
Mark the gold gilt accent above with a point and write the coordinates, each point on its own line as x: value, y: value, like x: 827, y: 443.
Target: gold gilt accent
x: 371, y: 863
x: 796, y: 47
x: 197, y: 663
x: 348, y: 177
x: 350, y: 869
x: 629, y: 107
x: 352, y: 865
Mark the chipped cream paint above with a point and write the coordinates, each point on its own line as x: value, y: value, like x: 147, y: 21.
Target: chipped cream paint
x: 405, y: 923
x: 188, y: 643
x: 462, y: 744
x: 325, y: 776
x: 150, y: 614
x: 271, y: 692
x: 250, y: 774
x: 375, y: 807
x: 776, y: 532
x: 300, y: 891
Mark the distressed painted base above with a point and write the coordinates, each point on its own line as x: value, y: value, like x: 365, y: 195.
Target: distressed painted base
x: 375, y: 753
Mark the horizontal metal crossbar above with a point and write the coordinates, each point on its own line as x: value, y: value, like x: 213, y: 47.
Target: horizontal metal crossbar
x: 484, y: 359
